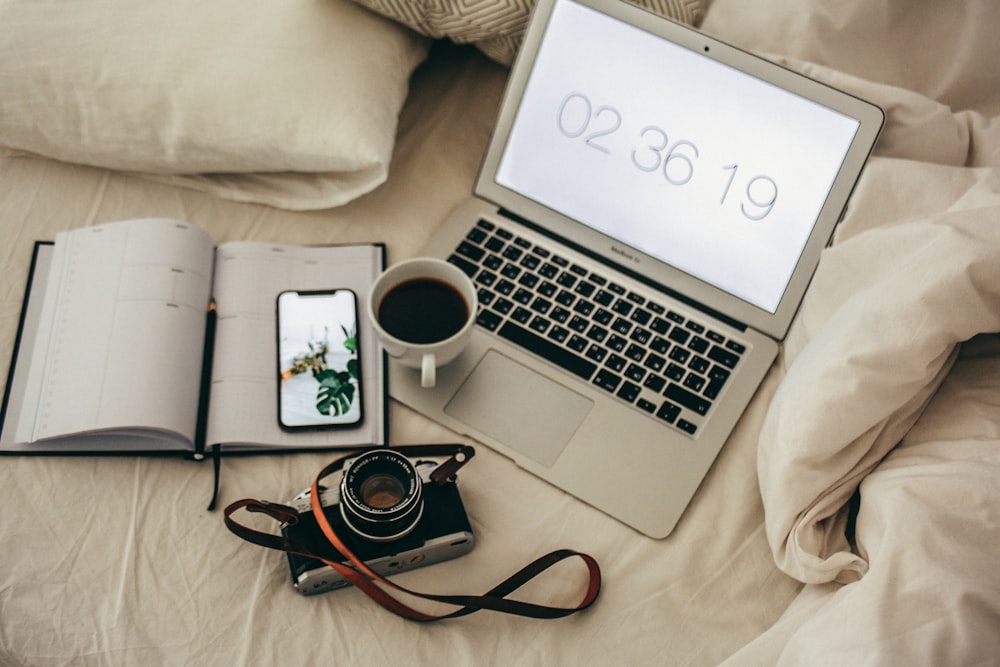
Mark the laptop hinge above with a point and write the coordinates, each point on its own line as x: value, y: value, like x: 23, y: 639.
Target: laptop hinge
x: 711, y: 312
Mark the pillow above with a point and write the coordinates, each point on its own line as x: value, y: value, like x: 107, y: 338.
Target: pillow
x: 496, y: 26
x: 292, y: 103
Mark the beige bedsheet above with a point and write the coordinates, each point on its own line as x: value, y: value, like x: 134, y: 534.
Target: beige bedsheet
x: 115, y: 560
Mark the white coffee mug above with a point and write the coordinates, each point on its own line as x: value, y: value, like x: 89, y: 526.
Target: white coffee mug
x: 423, y: 312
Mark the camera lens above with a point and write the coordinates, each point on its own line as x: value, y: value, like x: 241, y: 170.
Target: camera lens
x: 382, y: 491
x: 381, y: 496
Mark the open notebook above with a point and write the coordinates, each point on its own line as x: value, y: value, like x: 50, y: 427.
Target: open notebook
x: 649, y: 212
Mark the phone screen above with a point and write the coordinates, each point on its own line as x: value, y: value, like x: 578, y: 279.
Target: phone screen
x: 319, y: 370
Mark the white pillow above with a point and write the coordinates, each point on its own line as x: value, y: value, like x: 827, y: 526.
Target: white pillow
x: 292, y: 103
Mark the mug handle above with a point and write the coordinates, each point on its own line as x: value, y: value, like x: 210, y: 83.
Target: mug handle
x: 428, y: 370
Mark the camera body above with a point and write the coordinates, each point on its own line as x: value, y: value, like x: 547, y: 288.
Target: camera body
x: 425, y: 523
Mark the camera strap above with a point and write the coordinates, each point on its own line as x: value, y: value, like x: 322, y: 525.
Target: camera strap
x: 381, y: 589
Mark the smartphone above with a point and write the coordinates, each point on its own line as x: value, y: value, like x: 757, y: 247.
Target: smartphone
x: 319, y: 367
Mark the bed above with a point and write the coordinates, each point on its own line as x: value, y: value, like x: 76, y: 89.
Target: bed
x: 852, y: 518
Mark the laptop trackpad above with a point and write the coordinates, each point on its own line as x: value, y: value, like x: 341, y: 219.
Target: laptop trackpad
x: 520, y: 408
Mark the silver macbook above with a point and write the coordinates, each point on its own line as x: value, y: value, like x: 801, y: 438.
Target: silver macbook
x: 649, y: 212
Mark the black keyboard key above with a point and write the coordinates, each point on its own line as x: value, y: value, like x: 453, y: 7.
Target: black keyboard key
x: 643, y: 404
x: 617, y: 343
x: 655, y: 363
x: 549, y: 271
x: 530, y: 262
x: 654, y: 382
x: 641, y: 336
x: 466, y: 249
x: 477, y: 235
x: 596, y: 353
x: 561, y: 357
x: 635, y: 352
x: 513, y: 253
x: 558, y: 334
x: 699, y: 345
x: 695, y: 327
x: 668, y: 412
x: 641, y: 316
x: 495, y: 244
x: 511, y: 271
x: 629, y: 392
x: 607, y: 380
x: 584, y: 288
x: 679, y: 336
x: 622, y: 326
x: 604, y: 297
x: 699, y: 365
x: 597, y: 333
x: 468, y: 268
x: 566, y: 279
x: 694, y: 382
x: 578, y: 324
x: 660, y: 325
x: 659, y: 345
x: 522, y: 315
x: 675, y: 372
x: 616, y: 363
x: 735, y: 347
x: 680, y: 355
x: 716, y: 381
x: 686, y: 426
x: 565, y: 298
x: 489, y: 320
x: 635, y: 372
x: 540, y: 305
x: 560, y: 314
x: 622, y: 307
x: 486, y: 297
x: 689, y: 400
x: 493, y: 263
x: 577, y: 343
x: 723, y: 357
x: 503, y: 306
x: 528, y: 280
x: 505, y: 287
x: 486, y: 278
x: 539, y: 324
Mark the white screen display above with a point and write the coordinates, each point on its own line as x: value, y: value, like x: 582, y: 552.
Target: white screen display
x: 708, y: 169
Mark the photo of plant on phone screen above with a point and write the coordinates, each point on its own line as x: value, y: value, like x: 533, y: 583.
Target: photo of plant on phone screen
x: 320, y: 375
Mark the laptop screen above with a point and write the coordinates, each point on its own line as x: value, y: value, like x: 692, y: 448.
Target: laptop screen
x: 711, y: 170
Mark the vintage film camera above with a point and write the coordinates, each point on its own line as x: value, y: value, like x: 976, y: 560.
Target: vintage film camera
x: 388, y: 512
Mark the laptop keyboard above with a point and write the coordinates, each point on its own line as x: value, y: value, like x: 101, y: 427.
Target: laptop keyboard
x: 660, y: 361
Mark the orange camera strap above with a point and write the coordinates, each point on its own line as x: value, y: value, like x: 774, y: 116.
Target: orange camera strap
x: 379, y: 588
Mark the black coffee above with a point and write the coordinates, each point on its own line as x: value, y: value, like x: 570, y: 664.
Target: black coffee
x: 423, y: 310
